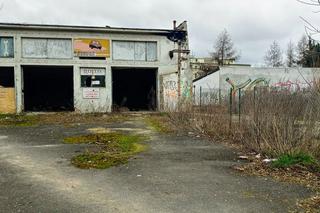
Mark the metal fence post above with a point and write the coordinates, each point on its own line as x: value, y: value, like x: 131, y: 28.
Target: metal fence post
x: 200, y: 96
x: 239, y: 106
x: 194, y: 95
x: 230, y: 108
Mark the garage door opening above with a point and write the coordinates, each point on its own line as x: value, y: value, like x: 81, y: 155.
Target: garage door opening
x: 48, y: 88
x: 134, y: 89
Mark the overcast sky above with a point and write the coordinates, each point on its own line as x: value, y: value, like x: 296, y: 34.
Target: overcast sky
x: 253, y: 24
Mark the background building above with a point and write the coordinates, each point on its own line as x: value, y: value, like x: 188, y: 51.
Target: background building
x: 203, y: 66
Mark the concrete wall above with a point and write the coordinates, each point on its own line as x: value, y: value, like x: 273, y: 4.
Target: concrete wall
x: 281, y: 78
x: 164, y: 63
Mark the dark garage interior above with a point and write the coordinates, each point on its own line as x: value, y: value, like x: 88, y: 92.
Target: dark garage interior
x: 6, y: 77
x: 48, y: 88
x: 134, y: 88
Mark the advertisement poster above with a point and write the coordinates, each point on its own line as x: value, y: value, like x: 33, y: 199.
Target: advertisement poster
x: 86, y: 47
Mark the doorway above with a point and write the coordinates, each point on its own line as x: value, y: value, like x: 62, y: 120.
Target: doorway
x: 48, y: 88
x: 134, y: 88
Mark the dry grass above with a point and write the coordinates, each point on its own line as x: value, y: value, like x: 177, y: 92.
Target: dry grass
x: 272, y: 123
x: 311, y: 205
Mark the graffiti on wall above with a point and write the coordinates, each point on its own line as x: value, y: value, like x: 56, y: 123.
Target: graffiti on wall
x: 247, y: 85
x: 288, y: 85
x: 293, y: 85
x: 186, y: 89
x: 171, y: 89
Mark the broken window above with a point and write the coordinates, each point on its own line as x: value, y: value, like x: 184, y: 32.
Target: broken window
x: 7, y: 77
x: 93, y: 77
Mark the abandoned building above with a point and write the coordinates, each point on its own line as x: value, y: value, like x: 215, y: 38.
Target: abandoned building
x: 92, y: 69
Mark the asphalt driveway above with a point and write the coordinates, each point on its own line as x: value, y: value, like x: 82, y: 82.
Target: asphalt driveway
x: 176, y: 174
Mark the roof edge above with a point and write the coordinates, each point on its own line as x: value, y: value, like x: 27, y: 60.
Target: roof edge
x: 82, y: 28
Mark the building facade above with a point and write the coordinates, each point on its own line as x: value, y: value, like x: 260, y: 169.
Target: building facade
x: 92, y: 69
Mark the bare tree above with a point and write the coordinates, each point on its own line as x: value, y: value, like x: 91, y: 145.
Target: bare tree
x: 291, y: 55
x: 273, y: 57
x: 309, y: 27
x: 224, y: 49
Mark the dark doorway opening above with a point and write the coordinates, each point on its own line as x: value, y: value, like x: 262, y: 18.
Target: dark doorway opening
x: 48, y: 88
x: 134, y: 88
x: 7, y: 77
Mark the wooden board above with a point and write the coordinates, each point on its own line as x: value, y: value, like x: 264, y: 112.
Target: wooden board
x: 7, y: 100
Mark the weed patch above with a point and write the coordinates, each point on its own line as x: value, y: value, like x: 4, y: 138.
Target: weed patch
x: 116, y: 148
x: 101, y: 160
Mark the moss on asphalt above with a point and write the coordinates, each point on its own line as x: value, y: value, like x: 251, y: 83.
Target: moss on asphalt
x: 116, y: 148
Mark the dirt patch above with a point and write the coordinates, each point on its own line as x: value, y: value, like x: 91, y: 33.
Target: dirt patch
x: 66, y: 119
x: 296, y: 174
x: 159, y: 123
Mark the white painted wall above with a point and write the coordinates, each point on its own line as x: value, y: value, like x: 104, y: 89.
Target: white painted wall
x: 285, y: 78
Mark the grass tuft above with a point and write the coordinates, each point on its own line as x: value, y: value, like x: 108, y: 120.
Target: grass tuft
x: 288, y: 160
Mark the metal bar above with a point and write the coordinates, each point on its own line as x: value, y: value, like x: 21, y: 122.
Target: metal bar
x: 239, y: 106
x: 194, y: 95
x: 230, y: 109
x: 179, y: 72
x: 200, y: 96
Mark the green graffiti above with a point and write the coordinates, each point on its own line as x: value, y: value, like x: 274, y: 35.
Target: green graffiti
x: 257, y: 82
x: 186, y: 89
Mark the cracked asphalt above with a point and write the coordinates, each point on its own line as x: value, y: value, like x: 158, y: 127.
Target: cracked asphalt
x: 175, y: 174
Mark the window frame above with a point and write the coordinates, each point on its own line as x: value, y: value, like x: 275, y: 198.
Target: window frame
x: 134, y: 49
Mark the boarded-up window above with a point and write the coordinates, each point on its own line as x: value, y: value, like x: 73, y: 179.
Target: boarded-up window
x: 6, y: 47
x: 134, y: 51
x: 46, y: 48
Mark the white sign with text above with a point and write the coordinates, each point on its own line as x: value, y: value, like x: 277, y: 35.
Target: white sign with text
x: 91, y: 93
